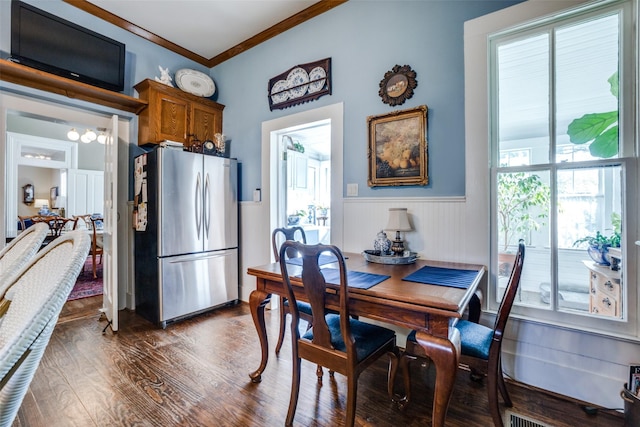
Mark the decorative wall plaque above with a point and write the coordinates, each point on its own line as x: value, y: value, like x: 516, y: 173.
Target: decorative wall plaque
x: 397, y: 85
x: 300, y: 84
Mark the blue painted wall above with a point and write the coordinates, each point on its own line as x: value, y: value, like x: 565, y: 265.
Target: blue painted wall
x: 365, y: 39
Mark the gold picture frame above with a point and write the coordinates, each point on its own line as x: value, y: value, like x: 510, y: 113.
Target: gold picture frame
x: 397, y: 151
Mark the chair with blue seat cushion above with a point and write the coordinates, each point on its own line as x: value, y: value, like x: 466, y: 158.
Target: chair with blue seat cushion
x: 480, y: 348
x: 336, y: 340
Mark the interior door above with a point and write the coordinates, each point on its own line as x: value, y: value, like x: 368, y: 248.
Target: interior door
x: 110, y: 236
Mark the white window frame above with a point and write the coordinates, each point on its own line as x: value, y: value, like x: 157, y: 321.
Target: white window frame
x: 628, y: 325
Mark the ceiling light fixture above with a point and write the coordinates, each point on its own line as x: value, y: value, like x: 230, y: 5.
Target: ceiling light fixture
x: 73, y: 134
x: 91, y: 135
x: 102, y: 138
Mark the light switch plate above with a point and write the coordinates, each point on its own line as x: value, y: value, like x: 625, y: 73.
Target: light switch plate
x: 352, y: 190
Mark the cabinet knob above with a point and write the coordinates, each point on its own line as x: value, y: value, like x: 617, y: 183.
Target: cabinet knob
x: 606, y: 301
x: 595, y: 310
x: 609, y: 285
x: 593, y: 275
x: 593, y: 290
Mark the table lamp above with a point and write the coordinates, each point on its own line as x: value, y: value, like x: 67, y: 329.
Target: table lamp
x: 42, y: 205
x: 398, y: 221
x: 59, y: 203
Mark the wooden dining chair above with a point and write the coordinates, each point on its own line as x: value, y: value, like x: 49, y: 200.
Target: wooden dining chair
x: 278, y: 236
x: 481, y: 349
x: 336, y: 340
x: 97, y: 243
x: 36, y: 296
x: 93, y: 224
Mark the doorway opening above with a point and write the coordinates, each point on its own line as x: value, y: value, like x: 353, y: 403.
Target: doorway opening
x: 305, y: 179
x: 329, y: 121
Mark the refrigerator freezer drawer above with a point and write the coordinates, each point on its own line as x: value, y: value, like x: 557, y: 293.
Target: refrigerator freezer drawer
x: 193, y: 283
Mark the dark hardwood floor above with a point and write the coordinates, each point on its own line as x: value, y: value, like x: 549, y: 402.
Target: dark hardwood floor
x: 195, y: 373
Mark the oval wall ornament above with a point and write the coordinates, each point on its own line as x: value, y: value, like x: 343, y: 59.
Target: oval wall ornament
x: 397, y: 85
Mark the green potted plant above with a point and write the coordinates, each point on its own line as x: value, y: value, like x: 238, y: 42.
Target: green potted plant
x: 598, y: 245
x: 294, y: 218
x: 523, y: 205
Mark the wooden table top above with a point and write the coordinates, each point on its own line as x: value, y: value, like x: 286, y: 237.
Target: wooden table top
x: 434, y: 299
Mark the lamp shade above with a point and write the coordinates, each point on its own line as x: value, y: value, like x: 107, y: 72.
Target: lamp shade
x: 39, y: 203
x: 59, y: 202
x: 398, y: 220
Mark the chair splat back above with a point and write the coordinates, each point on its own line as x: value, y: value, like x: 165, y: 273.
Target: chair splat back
x: 336, y: 341
x: 316, y: 290
x: 282, y: 234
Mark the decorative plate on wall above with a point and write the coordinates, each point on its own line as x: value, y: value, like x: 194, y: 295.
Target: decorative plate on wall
x: 300, y: 84
x: 397, y: 85
x: 195, y: 82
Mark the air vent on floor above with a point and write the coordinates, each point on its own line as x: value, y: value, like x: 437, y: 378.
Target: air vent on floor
x: 512, y: 419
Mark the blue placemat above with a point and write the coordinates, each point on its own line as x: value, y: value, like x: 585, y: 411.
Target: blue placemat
x: 324, y: 259
x: 443, y: 277
x: 356, y: 279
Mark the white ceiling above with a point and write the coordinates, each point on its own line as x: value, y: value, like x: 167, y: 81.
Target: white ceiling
x: 204, y: 27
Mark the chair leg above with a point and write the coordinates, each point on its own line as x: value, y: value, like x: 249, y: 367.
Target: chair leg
x: 352, y: 394
x: 492, y: 394
x: 319, y: 374
x: 503, y: 387
x: 295, y: 389
x: 402, y: 360
x: 95, y: 276
x: 283, y: 321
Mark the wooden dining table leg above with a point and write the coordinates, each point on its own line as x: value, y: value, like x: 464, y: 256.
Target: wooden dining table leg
x: 257, y: 301
x: 445, y: 354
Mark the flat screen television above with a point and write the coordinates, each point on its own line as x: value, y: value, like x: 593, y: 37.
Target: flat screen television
x: 46, y: 42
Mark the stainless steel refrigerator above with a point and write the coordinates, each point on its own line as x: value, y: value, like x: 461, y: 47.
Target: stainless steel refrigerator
x: 186, y: 258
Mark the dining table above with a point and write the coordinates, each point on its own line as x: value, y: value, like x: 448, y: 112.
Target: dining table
x: 428, y: 296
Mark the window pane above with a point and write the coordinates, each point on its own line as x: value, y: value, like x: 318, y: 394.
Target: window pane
x: 589, y: 205
x: 523, y: 96
x: 587, y: 57
x: 523, y: 213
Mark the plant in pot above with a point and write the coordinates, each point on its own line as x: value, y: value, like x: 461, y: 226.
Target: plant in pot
x: 598, y: 245
x: 523, y: 206
x: 294, y: 218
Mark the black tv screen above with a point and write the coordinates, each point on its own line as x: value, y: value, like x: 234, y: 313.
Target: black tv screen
x: 46, y: 42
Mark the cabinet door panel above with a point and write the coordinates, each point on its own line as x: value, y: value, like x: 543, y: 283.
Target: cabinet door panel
x: 205, y: 122
x: 172, y: 119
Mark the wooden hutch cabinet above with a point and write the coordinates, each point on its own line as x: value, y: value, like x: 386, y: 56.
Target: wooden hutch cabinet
x: 176, y: 115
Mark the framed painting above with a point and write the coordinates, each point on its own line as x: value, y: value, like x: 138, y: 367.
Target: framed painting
x: 398, y: 148
x: 53, y: 195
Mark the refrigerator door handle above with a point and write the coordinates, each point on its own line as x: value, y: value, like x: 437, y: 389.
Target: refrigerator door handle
x: 195, y: 257
x: 206, y: 196
x: 198, y: 208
